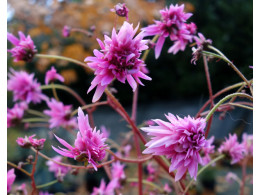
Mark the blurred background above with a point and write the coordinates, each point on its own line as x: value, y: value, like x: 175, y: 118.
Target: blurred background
x: 178, y: 86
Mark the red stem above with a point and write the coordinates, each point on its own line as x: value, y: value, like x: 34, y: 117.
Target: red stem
x: 34, y: 189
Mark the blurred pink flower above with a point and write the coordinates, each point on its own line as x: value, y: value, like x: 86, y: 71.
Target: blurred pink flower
x: 121, y: 10
x: 105, y: 190
x: 60, y: 115
x: 15, y: 114
x: 24, y: 87
x: 127, y: 150
x: 24, y: 48
x: 105, y: 131
x: 22, y: 189
x: 232, y: 148
x: 181, y: 140
x: 27, y: 142
x: 167, y: 188
x: 118, y: 58
x: 118, y: 173
x: 248, y: 144
x: 173, y: 25
x: 59, y: 170
x: 66, y: 31
x: 89, y: 145
x: 231, y: 177
x: 201, y: 41
x: 52, y: 75
x: 206, y: 150
x: 10, y: 179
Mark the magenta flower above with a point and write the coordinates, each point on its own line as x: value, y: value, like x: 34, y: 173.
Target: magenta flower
x: 118, y: 58
x: 167, y: 188
x: 52, y: 75
x: 105, y: 190
x: 10, y: 179
x: 105, y: 131
x: 15, y: 114
x: 248, y: 144
x: 59, y: 170
x: 206, y: 150
x: 201, y: 41
x: 89, y: 145
x: 30, y: 141
x: 25, y: 87
x: 121, y: 10
x: 181, y: 140
x: 60, y: 115
x: 173, y: 25
x: 232, y: 149
x: 231, y: 177
x: 24, y: 48
x: 66, y: 31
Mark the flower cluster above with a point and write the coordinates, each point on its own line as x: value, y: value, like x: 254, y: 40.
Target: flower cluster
x: 25, y: 87
x: 59, y: 170
x: 89, y: 145
x: 60, y: 115
x: 172, y: 24
x: 181, y: 140
x: 15, y: 114
x: 105, y: 189
x: 30, y: 141
x: 206, y: 150
x: 232, y: 148
x: 24, y: 48
x: 118, y: 58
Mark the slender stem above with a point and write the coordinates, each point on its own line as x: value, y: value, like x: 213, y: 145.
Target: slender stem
x: 129, y: 160
x: 202, y: 169
x: 73, y: 166
x: 65, y: 88
x: 148, y: 50
x: 80, y: 30
x: 219, y: 93
x: 64, y: 58
x: 89, y: 106
x: 153, y: 185
x: 47, y: 184
x: 34, y: 188
x: 28, y: 120
x: 134, y: 105
x: 54, y: 92
x: 210, y: 92
x: 225, y: 99
x: 242, y: 106
x: 233, y: 66
x: 20, y: 169
x: 36, y: 113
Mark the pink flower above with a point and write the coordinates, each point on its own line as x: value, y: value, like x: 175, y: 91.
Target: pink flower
x: 151, y: 170
x: 22, y: 189
x: 105, y: 190
x: 208, y: 149
x: 173, y: 25
x: 118, y: 172
x: 118, y: 58
x: 201, y: 41
x: 66, y: 31
x: 15, y: 114
x: 59, y: 170
x: 126, y: 150
x: 60, y: 114
x: 52, y: 75
x: 231, y: 177
x: 10, y: 179
x: 248, y: 144
x: 121, y: 10
x: 89, y: 145
x: 25, y: 87
x: 105, y: 131
x: 30, y: 141
x: 233, y: 149
x: 181, y: 140
x: 167, y: 188
x: 24, y: 48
